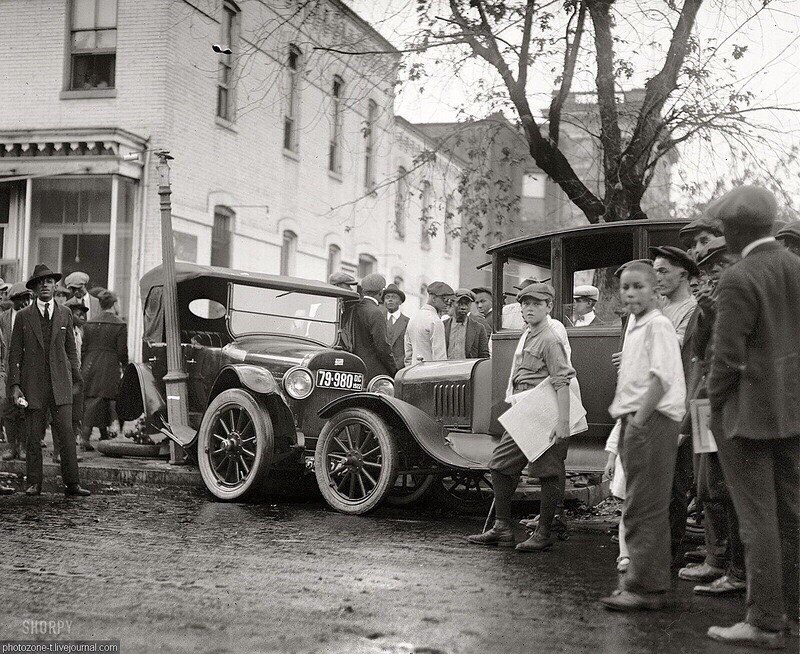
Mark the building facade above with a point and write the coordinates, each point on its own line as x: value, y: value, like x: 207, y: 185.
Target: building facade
x: 285, y: 148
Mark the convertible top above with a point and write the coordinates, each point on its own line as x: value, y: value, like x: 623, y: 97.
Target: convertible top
x: 188, y: 271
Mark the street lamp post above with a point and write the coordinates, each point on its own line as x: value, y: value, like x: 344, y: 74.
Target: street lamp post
x: 175, y: 379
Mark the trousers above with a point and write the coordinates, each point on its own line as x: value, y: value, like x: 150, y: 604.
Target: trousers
x: 63, y: 439
x: 764, y: 481
x: 679, y: 500
x: 648, y: 457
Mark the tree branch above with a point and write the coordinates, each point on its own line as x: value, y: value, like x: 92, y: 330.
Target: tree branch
x: 570, y: 60
x: 522, y: 72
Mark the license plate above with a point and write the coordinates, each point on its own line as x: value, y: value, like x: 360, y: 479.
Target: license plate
x: 340, y: 380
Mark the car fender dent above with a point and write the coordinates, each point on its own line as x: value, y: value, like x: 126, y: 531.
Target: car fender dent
x: 429, y: 434
x: 139, y: 394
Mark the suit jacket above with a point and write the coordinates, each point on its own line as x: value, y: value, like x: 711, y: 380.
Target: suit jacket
x: 397, y: 338
x: 754, y: 383
x: 26, y: 359
x: 105, y: 348
x: 370, y: 339
x: 476, y: 340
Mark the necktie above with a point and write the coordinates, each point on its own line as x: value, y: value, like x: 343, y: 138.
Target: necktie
x: 47, y: 311
x: 391, y: 319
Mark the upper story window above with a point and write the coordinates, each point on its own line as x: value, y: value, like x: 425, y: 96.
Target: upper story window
x: 335, y: 147
x: 221, y: 236
x: 288, y: 253
x: 369, y: 150
x: 401, y: 203
x: 292, y: 110
x: 425, y: 199
x: 226, y: 108
x: 93, y: 44
x: 334, y: 259
x: 367, y: 264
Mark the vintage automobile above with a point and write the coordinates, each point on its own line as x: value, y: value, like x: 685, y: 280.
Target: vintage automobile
x: 438, y: 431
x: 261, y: 358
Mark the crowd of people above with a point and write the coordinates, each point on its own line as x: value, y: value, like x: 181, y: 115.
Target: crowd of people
x: 716, y: 320
x: 61, y: 348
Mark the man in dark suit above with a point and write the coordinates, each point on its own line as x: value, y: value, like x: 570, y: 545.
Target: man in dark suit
x: 42, y: 365
x: 13, y: 416
x: 754, y: 391
x: 396, y: 322
x: 465, y: 337
x: 370, y: 339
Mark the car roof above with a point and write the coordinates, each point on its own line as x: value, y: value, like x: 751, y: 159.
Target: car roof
x: 189, y: 271
x: 587, y: 229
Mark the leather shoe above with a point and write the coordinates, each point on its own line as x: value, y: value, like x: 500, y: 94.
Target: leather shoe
x: 744, y: 633
x: 702, y: 572
x: 34, y: 489
x: 494, y: 537
x: 6, y: 490
x: 75, y: 490
x: 725, y: 585
x: 625, y: 600
x: 536, y: 543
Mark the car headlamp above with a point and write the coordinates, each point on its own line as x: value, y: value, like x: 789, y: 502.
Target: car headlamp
x: 382, y: 384
x: 298, y: 383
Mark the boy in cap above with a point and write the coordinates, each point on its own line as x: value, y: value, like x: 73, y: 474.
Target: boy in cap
x: 425, y: 340
x: 754, y: 391
x: 370, y: 338
x: 585, y: 298
x: 650, y: 399
x: 464, y: 336
x: 540, y: 354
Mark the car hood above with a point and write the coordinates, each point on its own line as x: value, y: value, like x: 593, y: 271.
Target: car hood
x: 275, y: 352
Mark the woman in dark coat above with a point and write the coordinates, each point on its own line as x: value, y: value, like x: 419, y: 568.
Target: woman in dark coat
x: 105, y: 348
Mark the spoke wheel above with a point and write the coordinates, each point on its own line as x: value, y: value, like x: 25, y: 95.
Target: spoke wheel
x: 410, y: 487
x: 465, y: 492
x: 355, y: 461
x: 235, y: 445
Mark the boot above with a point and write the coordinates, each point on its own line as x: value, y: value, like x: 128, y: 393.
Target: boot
x: 536, y: 543
x: 500, y: 535
x: 10, y: 455
x: 34, y: 489
x: 75, y: 490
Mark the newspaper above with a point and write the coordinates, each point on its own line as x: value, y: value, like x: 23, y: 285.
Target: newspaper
x: 534, y: 414
x: 702, y: 438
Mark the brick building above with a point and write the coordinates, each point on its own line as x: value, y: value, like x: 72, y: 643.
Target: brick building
x: 284, y: 153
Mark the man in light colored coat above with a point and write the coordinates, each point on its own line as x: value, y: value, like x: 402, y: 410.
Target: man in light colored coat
x: 425, y: 339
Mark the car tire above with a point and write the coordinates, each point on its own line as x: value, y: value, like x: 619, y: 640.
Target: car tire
x: 355, y: 461
x: 234, y: 423
x: 403, y: 493
x: 125, y: 447
x: 469, y: 493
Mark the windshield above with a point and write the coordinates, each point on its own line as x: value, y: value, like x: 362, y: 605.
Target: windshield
x: 256, y: 310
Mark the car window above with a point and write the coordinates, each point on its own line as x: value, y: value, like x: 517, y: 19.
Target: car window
x: 515, y: 272
x: 263, y: 310
x: 208, y: 309
x: 608, y: 307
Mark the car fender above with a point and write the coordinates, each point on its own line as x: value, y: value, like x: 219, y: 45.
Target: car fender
x: 429, y: 434
x: 139, y: 394
x: 261, y: 382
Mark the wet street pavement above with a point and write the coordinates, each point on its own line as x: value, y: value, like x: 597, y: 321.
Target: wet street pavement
x: 174, y: 571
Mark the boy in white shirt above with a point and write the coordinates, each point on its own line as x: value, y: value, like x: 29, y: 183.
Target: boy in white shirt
x: 650, y: 400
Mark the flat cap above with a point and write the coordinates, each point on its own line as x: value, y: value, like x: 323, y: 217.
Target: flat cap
x: 75, y: 303
x: 715, y: 247
x: 702, y: 223
x: 440, y: 288
x: 373, y: 283
x: 677, y: 256
x: 342, y: 278
x: 18, y: 289
x: 76, y: 279
x: 790, y: 231
x: 587, y: 290
x: 482, y: 289
x: 747, y: 205
x: 464, y: 292
x: 394, y: 288
x: 538, y: 291
x: 618, y: 271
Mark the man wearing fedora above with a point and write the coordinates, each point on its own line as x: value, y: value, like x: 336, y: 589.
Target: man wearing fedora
x: 42, y: 365
x: 754, y: 391
x: 396, y: 322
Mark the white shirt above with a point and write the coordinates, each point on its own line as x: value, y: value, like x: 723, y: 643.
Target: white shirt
x: 679, y: 313
x: 585, y: 320
x: 40, y: 306
x: 393, y: 316
x: 512, y: 319
x: 425, y: 337
x: 651, y: 348
x: 747, y: 249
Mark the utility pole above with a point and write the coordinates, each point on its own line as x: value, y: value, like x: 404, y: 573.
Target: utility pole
x: 175, y: 379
